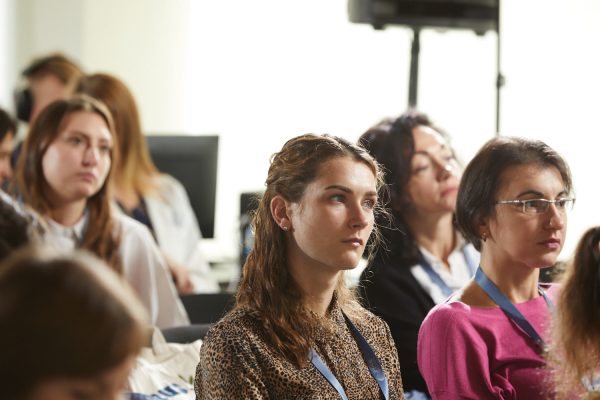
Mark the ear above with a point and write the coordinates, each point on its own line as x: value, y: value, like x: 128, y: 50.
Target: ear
x: 483, y: 229
x: 280, y: 210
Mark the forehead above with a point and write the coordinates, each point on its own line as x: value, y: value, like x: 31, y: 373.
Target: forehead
x: 345, y: 170
x: 426, y: 138
x: 45, y: 79
x: 88, y: 123
x: 545, y: 179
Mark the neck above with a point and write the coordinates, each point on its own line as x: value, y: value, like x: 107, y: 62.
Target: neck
x: 317, y: 284
x: 68, y: 214
x: 435, y: 233
x: 518, y: 282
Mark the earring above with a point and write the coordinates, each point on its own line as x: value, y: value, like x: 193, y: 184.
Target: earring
x: 484, y: 236
x: 285, y: 227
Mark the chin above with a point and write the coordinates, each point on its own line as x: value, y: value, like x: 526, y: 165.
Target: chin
x: 545, y: 262
x: 350, y: 264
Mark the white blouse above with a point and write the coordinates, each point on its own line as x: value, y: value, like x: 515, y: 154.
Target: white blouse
x: 143, y: 267
x: 459, y: 274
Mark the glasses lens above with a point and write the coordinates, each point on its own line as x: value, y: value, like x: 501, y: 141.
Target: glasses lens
x: 535, y: 206
x: 565, y: 204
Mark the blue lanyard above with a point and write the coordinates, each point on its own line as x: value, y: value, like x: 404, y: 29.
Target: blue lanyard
x: 369, y: 356
x: 437, y: 279
x: 509, y: 308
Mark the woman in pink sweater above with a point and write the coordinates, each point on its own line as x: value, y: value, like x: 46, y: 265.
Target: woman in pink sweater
x: 486, y: 342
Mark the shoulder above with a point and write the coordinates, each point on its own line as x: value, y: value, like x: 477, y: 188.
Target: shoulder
x: 129, y: 227
x: 366, y: 318
x: 136, y: 239
x: 387, y: 274
x: 370, y: 325
x: 233, y: 332
x: 552, y: 289
x: 393, y: 289
x: 168, y: 183
x: 450, y: 318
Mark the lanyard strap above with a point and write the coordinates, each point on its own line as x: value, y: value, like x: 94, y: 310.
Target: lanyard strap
x: 437, y: 279
x: 509, y: 308
x: 369, y: 356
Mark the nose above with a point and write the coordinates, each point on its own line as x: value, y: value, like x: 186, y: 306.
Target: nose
x: 91, y: 155
x: 360, y: 216
x: 443, y: 167
x: 556, y: 218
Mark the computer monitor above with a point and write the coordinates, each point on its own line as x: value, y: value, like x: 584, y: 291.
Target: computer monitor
x: 192, y: 160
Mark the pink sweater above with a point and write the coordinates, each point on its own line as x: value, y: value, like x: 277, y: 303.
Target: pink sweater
x: 478, y: 353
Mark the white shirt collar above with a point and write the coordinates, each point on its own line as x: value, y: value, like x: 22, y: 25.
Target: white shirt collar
x: 76, y: 232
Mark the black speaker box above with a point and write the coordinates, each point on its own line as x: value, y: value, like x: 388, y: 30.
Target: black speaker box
x: 477, y: 15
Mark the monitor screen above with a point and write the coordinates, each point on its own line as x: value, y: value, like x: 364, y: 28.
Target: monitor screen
x: 192, y: 160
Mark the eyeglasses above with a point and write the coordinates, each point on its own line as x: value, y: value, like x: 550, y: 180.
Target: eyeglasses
x: 540, y: 206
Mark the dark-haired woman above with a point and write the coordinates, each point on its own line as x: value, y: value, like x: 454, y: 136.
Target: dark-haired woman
x: 296, y: 331
x: 424, y: 258
x: 487, y: 341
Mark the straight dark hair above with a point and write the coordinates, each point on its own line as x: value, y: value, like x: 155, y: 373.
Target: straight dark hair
x: 484, y: 176
x: 391, y: 143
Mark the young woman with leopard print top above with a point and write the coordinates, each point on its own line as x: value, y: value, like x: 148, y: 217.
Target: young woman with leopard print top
x: 296, y: 331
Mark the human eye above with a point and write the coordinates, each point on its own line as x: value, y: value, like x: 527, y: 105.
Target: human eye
x: 338, y: 198
x: 105, y: 148
x: 75, y: 140
x: 535, y: 206
x: 421, y: 166
x: 369, y: 203
x: 563, y: 203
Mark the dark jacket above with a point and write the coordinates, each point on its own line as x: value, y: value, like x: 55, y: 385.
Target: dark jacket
x: 390, y: 291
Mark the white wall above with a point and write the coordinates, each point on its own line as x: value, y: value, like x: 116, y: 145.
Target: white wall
x: 553, y: 90
x: 7, y: 51
x: 260, y: 72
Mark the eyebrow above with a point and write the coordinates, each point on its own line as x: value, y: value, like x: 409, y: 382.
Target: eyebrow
x: 425, y: 152
x: 537, y: 193
x: 348, y: 190
x: 87, y: 136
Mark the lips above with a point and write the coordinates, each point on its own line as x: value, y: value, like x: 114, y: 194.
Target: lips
x: 354, y: 241
x: 87, y: 176
x: 552, y: 243
x: 449, y: 190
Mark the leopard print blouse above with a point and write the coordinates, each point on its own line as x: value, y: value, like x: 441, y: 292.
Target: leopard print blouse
x: 236, y: 362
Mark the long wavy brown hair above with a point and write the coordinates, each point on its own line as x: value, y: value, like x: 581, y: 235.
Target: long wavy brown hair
x: 267, y: 287
x: 575, y: 353
x: 101, y: 237
x: 135, y: 168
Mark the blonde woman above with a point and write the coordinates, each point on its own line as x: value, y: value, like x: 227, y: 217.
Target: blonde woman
x: 575, y: 354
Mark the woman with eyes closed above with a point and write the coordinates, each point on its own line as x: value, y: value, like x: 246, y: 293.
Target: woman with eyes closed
x: 424, y: 258
x: 62, y: 174
x: 296, y: 331
x: 487, y: 341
